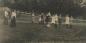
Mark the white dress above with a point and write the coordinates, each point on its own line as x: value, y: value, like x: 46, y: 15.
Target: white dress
x: 6, y: 14
x: 56, y: 19
x: 67, y: 20
x: 13, y: 14
x: 53, y: 20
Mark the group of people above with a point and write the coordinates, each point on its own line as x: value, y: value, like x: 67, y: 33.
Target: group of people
x: 48, y: 19
x: 10, y: 17
x: 54, y: 19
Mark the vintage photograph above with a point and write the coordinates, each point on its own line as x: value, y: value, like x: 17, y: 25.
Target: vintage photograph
x: 42, y: 21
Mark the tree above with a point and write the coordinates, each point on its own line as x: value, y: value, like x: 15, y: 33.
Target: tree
x: 54, y: 6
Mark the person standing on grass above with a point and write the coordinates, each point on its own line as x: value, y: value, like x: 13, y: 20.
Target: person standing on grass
x: 39, y: 19
x: 71, y: 22
x: 53, y: 19
x: 33, y: 18
x: 48, y: 19
x: 59, y: 21
x: 56, y: 20
x: 67, y: 21
x: 6, y: 17
x: 13, y: 18
x: 42, y: 18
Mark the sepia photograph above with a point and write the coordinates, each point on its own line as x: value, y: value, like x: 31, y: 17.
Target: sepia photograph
x: 42, y: 21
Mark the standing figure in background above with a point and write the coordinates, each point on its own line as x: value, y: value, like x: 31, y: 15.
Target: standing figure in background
x: 56, y: 20
x: 42, y: 18
x: 67, y: 21
x: 33, y: 18
x: 53, y: 19
x: 6, y: 17
x: 71, y: 22
x: 59, y: 21
x: 13, y: 18
x: 39, y: 19
x: 48, y: 20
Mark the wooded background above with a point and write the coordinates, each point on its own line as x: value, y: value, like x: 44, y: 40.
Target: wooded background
x: 63, y: 7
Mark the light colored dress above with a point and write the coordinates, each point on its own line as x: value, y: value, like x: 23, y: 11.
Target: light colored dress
x: 40, y: 19
x: 33, y: 18
x: 6, y: 17
x: 53, y: 20
x: 13, y: 14
x: 67, y: 20
x: 6, y: 14
x: 56, y: 19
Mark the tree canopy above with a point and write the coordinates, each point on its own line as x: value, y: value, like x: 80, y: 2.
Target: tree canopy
x: 54, y: 6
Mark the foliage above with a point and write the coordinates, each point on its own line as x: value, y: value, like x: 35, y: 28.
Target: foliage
x: 54, y: 6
